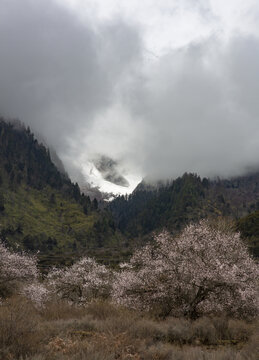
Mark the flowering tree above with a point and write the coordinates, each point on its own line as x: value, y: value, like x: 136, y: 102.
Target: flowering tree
x: 37, y: 293
x: 204, y: 270
x: 81, y: 282
x: 15, y: 269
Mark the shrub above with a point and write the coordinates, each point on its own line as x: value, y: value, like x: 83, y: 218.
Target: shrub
x: 180, y: 331
x: 204, y: 330
x: 19, y: 335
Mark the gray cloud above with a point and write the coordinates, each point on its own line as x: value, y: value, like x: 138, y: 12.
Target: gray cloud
x: 92, y: 91
x: 56, y: 73
x: 202, y: 109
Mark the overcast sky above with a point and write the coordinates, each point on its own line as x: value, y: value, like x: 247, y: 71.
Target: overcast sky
x: 162, y: 87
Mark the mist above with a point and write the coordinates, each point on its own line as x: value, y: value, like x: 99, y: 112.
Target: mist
x: 92, y: 88
x: 202, y: 108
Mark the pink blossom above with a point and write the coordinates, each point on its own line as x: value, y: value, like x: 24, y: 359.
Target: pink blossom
x: 203, y: 270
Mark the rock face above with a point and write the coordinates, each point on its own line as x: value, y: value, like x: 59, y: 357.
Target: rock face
x: 109, y: 170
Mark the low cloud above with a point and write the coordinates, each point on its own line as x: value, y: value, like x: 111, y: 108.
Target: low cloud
x: 95, y: 91
x: 58, y: 73
x: 201, y: 109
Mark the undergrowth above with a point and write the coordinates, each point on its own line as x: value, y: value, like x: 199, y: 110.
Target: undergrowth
x: 102, y: 331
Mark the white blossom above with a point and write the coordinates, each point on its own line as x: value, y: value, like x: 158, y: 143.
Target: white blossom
x: 15, y: 269
x: 203, y: 270
x: 37, y: 293
x: 81, y: 282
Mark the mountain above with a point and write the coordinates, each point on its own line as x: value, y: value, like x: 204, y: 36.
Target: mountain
x: 40, y: 208
x: 109, y: 170
x: 188, y: 198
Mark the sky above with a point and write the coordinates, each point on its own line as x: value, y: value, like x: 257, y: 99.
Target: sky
x: 160, y: 87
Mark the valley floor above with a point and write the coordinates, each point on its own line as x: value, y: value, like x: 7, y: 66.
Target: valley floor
x: 102, y: 331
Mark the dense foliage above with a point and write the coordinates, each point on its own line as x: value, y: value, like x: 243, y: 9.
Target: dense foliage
x: 25, y: 160
x: 249, y: 228
x: 168, y: 205
x: 188, y: 198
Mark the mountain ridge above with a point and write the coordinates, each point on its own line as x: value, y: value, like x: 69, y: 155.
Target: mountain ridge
x: 40, y: 208
x: 173, y: 204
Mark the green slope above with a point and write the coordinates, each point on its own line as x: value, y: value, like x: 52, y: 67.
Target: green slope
x: 32, y: 212
x: 40, y: 208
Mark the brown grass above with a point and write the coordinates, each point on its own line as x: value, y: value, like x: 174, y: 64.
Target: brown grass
x: 19, y: 331
x: 102, y: 331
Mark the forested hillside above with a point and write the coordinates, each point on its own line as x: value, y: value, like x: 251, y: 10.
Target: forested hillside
x: 186, y: 199
x: 40, y: 208
x: 249, y: 228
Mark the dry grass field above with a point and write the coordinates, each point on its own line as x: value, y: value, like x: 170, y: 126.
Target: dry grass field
x: 102, y: 331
